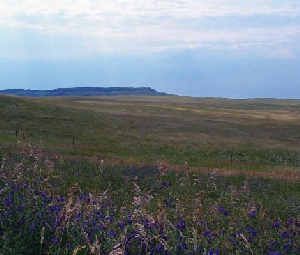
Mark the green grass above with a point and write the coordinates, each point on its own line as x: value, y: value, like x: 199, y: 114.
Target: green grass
x: 206, y: 132
x: 51, y: 204
x: 71, y: 203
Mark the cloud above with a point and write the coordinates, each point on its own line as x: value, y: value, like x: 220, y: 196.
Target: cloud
x: 154, y: 26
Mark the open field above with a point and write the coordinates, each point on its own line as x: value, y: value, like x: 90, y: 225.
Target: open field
x: 257, y: 134
x: 239, y: 192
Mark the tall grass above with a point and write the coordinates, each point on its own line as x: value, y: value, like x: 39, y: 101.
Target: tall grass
x: 51, y: 205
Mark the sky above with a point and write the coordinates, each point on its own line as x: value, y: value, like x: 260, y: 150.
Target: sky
x: 200, y: 48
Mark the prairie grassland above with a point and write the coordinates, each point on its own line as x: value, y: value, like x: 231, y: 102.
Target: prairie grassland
x: 53, y: 205
x: 86, y: 176
x: 235, y: 134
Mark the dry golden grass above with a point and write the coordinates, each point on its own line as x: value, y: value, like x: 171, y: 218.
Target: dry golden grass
x: 201, y: 131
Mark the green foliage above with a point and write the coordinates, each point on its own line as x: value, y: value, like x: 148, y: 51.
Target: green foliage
x: 51, y: 205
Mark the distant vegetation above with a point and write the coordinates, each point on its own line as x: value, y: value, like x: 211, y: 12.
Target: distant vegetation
x: 84, y: 91
x: 255, y: 134
x: 149, y: 175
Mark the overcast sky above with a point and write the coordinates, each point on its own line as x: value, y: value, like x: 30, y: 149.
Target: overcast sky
x: 218, y: 48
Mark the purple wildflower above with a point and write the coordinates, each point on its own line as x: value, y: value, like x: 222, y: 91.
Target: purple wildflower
x: 112, y: 233
x: 55, y: 240
x: 32, y: 226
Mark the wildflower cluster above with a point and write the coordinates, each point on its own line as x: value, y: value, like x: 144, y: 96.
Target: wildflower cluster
x: 52, y: 206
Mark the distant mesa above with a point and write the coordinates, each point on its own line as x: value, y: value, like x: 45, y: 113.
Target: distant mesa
x: 85, y: 91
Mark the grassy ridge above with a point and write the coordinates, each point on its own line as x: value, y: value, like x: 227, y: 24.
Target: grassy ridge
x: 203, y: 131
